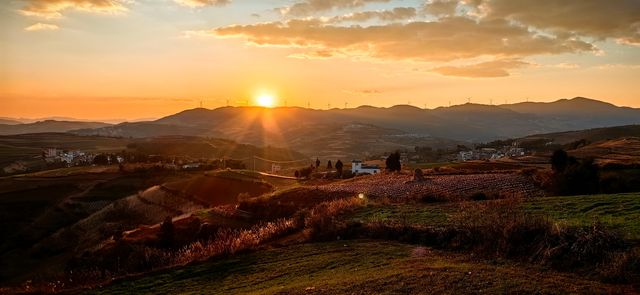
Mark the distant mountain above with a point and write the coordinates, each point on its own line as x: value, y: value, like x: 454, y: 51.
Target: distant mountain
x: 369, y: 129
x: 13, y: 121
x: 48, y: 126
x: 577, y: 113
x: 590, y: 135
x: 8, y: 121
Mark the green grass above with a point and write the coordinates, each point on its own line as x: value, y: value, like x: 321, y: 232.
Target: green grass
x: 618, y: 211
x: 405, y: 213
x: 346, y: 267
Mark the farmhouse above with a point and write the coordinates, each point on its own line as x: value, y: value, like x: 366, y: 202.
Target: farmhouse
x: 358, y: 167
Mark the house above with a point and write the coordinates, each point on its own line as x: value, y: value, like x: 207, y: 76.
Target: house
x: 357, y: 167
x: 191, y: 166
x: 465, y: 155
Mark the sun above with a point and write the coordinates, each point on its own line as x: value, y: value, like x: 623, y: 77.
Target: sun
x: 266, y: 100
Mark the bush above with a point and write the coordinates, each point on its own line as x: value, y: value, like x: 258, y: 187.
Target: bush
x: 393, y: 162
x: 306, y: 172
x: 479, y: 196
x: 623, y: 267
x: 572, y: 176
x: 166, y: 233
x: 321, y: 222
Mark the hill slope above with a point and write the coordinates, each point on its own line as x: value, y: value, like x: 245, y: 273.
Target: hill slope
x: 48, y: 126
x: 468, y: 122
x: 362, y: 267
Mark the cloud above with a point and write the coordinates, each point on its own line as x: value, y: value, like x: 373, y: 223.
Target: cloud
x: 311, y: 7
x: 202, y: 3
x: 491, y: 69
x: 565, y: 65
x: 41, y: 27
x: 54, y: 8
x: 616, y: 19
x: 440, y: 7
x: 317, y: 54
x: 398, y: 13
x: 447, y: 39
x: 364, y: 92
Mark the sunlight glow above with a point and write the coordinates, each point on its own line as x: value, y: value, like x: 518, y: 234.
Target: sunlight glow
x: 266, y: 100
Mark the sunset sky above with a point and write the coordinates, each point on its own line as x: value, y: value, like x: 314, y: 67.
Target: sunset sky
x: 128, y: 59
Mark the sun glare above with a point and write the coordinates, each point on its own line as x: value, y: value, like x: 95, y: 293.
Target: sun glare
x: 266, y: 100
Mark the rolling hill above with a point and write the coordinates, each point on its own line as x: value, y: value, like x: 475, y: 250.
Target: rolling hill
x: 468, y: 122
x: 47, y: 126
x: 590, y: 135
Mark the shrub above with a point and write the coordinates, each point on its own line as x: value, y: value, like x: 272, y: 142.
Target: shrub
x: 393, y: 162
x: 321, y: 222
x: 479, y: 196
x: 306, y: 172
x: 623, y: 267
x: 166, y: 233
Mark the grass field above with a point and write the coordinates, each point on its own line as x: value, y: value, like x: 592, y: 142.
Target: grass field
x: 618, y: 211
x: 348, y: 267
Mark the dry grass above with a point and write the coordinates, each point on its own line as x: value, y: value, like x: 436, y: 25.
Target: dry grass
x: 400, y: 186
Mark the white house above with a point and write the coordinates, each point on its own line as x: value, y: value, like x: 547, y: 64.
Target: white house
x: 358, y: 167
x: 275, y: 168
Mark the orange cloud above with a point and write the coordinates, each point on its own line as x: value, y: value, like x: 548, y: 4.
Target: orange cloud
x: 618, y: 19
x: 441, y: 7
x: 41, y: 27
x: 447, y: 39
x: 310, y: 7
x: 54, y: 8
x: 202, y: 3
x: 491, y: 69
x: 398, y: 13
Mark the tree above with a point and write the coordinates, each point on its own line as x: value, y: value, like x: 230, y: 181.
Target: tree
x: 559, y: 161
x: 573, y: 176
x: 306, y: 172
x: 329, y: 166
x: 101, y: 159
x: 339, y: 166
x: 166, y: 233
x: 393, y: 162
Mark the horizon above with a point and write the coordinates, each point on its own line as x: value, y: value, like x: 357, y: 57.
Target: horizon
x: 113, y: 120
x: 149, y: 59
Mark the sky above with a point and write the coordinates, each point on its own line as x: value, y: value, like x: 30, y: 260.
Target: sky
x: 130, y: 59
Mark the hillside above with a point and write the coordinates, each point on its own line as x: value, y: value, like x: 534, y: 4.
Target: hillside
x: 51, y: 219
x: 591, y: 135
x: 378, y: 130
x: 8, y: 121
x: 404, y: 263
x: 356, y: 267
x: 624, y: 150
x: 48, y: 126
x: 28, y: 148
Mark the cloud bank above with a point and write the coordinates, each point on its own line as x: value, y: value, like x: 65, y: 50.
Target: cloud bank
x: 53, y: 8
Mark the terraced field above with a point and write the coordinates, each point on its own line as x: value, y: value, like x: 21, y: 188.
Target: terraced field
x: 440, y: 186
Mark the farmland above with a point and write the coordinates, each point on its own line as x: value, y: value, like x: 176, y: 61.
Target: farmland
x: 440, y: 187
x: 618, y: 211
x: 223, y: 218
x: 361, y: 266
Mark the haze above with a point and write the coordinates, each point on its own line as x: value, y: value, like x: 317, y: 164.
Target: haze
x: 99, y: 59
